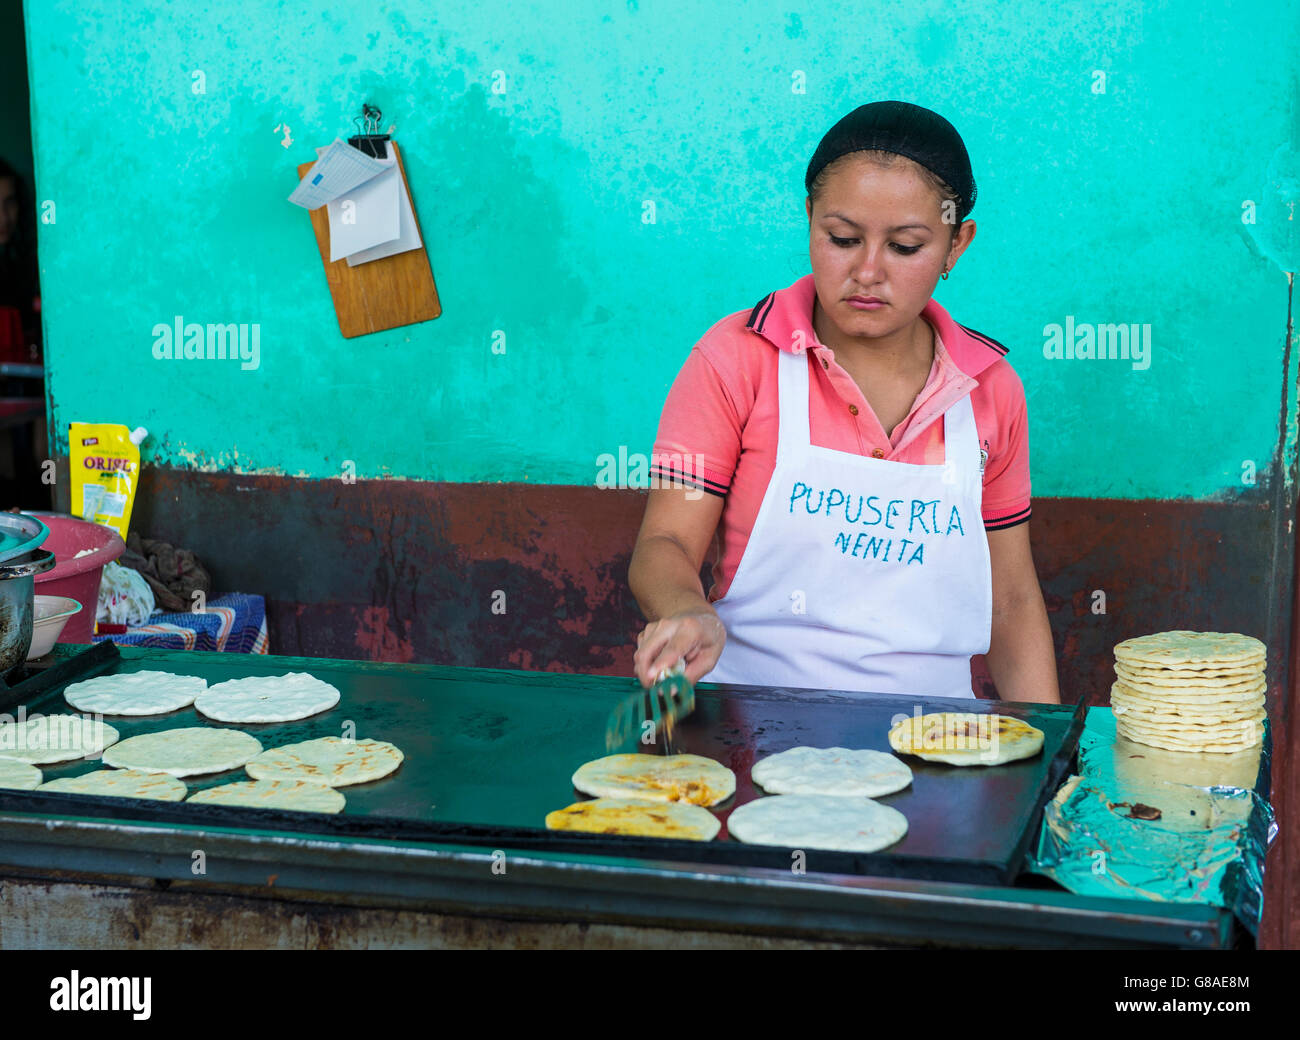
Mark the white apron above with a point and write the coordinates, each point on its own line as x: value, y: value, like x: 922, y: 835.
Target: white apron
x: 861, y: 574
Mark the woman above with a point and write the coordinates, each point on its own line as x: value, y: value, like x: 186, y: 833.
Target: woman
x: 861, y: 460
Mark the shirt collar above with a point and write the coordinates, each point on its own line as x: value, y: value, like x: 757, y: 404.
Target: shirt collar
x: 784, y: 318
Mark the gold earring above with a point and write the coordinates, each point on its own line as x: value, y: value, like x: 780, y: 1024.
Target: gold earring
x: 945, y: 276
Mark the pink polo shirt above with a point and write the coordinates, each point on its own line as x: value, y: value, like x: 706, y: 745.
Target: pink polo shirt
x: 718, y: 430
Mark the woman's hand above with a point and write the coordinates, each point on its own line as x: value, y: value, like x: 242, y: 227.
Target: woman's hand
x: 698, y: 636
x: 664, y: 576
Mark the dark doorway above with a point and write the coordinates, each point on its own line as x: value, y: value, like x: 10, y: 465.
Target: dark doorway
x: 25, y: 480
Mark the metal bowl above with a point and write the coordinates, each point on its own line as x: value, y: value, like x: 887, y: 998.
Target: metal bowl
x: 17, y: 591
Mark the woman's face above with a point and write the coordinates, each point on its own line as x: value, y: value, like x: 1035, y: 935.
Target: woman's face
x: 878, y: 231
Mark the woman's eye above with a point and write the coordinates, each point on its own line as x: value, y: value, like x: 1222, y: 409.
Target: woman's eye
x: 845, y: 243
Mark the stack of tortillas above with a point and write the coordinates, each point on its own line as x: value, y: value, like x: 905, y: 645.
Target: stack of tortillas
x: 1190, y: 691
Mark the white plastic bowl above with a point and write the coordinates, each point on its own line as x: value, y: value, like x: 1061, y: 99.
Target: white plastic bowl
x: 49, y: 615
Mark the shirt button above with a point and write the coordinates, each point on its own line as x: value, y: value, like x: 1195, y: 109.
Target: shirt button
x: 876, y: 453
x: 825, y: 363
x: 853, y: 408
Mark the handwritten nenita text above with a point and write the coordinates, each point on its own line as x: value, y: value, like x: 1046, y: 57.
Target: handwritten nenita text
x: 901, y: 526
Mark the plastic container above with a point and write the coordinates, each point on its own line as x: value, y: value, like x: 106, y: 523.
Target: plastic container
x: 77, y: 577
x: 49, y: 615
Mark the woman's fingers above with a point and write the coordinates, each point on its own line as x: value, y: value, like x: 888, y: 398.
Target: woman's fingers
x: 656, y: 643
x: 660, y: 645
x: 649, y: 642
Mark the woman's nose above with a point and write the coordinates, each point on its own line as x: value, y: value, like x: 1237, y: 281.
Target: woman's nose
x: 867, y: 263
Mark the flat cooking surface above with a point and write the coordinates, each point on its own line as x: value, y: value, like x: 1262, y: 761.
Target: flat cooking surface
x: 489, y: 753
x: 971, y: 813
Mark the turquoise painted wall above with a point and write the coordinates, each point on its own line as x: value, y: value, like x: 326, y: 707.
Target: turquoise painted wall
x: 1123, y: 206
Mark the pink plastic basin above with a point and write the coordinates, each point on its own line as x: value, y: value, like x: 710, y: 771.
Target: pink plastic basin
x: 74, y: 576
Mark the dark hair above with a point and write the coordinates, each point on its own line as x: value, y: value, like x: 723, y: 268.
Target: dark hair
x: 885, y: 160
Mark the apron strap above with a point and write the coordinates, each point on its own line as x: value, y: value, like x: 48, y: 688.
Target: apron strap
x: 961, y: 442
x: 792, y: 419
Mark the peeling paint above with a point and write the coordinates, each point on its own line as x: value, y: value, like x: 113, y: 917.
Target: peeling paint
x: 407, y: 571
x: 377, y: 640
x: 1276, y: 229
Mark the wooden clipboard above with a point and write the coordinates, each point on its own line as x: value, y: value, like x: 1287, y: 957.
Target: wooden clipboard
x: 383, y: 294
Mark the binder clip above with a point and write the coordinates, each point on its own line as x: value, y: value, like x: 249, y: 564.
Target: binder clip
x: 370, y: 140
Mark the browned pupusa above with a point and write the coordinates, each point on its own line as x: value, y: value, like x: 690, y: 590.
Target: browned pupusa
x: 661, y: 778
x: 332, y: 761
x: 636, y: 816
x: 965, y: 738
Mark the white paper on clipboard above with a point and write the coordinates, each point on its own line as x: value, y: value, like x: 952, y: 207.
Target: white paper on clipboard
x: 338, y: 168
x: 364, y: 216
x: 408, y: 236
x: 369, y: 211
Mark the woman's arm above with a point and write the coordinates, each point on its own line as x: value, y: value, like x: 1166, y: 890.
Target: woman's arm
x: 1020, y: 658
x: 664, y: 576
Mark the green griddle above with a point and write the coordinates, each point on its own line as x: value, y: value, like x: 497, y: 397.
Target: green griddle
x: 490, y: 752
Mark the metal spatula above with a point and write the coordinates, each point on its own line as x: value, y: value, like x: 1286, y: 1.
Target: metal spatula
x: 672, y: 697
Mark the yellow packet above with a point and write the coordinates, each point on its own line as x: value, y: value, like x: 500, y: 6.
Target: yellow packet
x: 105, y: 463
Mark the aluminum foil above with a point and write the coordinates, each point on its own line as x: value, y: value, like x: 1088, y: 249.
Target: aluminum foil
x: 1145, y: 823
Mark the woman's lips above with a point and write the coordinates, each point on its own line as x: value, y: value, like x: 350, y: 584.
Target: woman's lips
x: 866, y: 303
